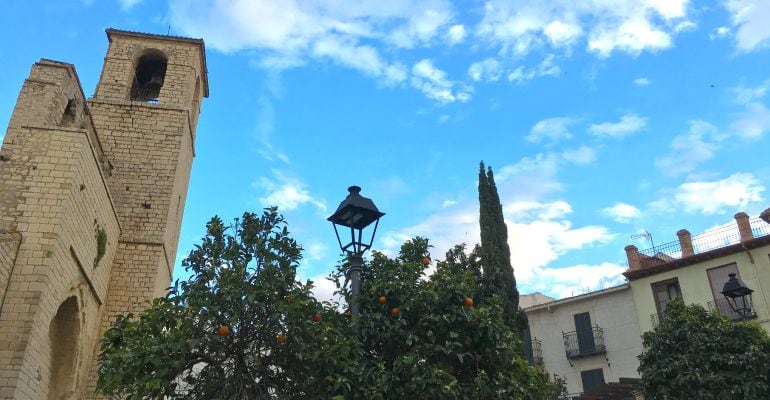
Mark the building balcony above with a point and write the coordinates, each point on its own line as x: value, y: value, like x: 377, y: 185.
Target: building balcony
x: 656, y: 319
x: 537, y: 352
x: 585, y: 343
x: 723, y: 307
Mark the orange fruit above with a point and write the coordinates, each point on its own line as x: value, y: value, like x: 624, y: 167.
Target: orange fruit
x: 317, y: 318
x: 468, y: 302
x: 426, y: 261
x: 223, y: 330
x: 281, y: 339
x: 382, y: 299
x: 394, y: 311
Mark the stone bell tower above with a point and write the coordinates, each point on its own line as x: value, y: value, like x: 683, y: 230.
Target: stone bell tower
x: 146, y: 110
x: 92, y: 193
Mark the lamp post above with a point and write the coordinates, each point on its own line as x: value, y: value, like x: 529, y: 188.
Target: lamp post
x: 355, y: 213
x: 738, y: 296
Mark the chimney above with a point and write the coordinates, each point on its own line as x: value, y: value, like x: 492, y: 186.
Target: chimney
x: 685, y: 242
x: 744, y: 227
x: 632, y: 253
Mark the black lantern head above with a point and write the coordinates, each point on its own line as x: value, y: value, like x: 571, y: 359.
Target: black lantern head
x: 356, y: 213
x: 738, y: 296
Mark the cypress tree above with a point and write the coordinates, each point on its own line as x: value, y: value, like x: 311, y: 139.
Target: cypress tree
x: 497, y: 277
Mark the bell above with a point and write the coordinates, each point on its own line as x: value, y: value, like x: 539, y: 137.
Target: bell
x: 155, y: 83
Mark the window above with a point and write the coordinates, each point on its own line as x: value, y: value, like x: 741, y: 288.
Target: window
x: 717, y: 278
x: 526, y: 344
x: 665, y: 291
x: 592, y: 379
x: 585, y: 333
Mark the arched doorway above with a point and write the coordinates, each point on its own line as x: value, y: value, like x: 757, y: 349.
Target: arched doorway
x: 64, y: 334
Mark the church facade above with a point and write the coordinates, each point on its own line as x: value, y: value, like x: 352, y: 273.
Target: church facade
x: 92, y: 193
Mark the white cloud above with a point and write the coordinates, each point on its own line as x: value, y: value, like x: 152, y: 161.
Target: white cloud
x: 433, y: 82
x: 550, y: 129
x: 487, y: 70
x: 264, y: 131
x: 422, y: 26
x: 533, y: 178
x: 749, y: 18
x: 733, y: 193
x: 628, y: 125
x: 545, y: 68
x: 574, y: 280
x: 630, y: 26
x: 720, y: 32
x: 125, y: 5
x: 582, y: 155
x: 631, y: 36
x: 315, y: 251
x: 641, y: 81
x: 286, y: 192
x: 456, y: 34
x: 689, y: 150
x: 622, y: 212
x: 448, y: 203
x: 323, y: 289
x: 346, y: 52
x: 748, y: 95
x: 538, y: 233
x: 289, y: 33
x: 754, y: 120
x: 685, y: 26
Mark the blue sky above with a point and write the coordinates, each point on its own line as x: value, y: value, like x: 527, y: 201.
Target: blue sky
x: 600, y: 118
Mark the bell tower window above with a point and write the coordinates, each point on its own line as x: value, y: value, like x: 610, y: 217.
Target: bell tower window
x: 149, y: 75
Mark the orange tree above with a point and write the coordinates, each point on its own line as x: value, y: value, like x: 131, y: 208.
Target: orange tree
x: 243, y: 327
x: 438, y: 345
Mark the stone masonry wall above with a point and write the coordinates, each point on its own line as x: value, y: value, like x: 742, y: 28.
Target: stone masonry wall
x: 59, y: 198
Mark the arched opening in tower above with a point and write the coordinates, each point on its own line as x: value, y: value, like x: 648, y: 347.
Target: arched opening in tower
x: 149, y: 75
x: 63, y: 334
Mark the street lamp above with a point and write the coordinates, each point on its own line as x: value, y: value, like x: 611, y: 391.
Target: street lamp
x: 738, y: 296
x: 355, y: 213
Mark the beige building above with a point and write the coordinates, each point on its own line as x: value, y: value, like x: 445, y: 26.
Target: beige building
x: 696, y: 269
x: 588, y: 339
x: 91, y: 200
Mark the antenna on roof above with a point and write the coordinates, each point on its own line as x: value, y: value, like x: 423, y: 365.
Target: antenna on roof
x: 646, y: 235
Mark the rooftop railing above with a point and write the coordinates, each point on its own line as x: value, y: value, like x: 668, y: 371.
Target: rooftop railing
x: 711, y: 239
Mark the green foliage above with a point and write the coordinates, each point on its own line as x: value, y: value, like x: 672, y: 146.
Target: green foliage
x: 437, y: 348
x: 498, y: 278
x: 694, y: 354
x: 243, y: 278
x: 101, y: 244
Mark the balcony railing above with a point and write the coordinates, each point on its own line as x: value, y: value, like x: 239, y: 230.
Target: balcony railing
x: 656, y: 319
x: 537, y: 352
x: 723, y: 307
x: 585, y: 343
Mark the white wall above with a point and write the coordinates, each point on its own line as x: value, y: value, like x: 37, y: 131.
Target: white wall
x: 614, y: 311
